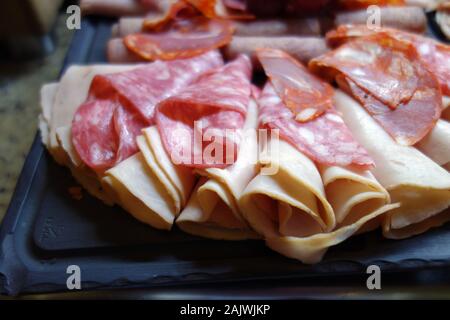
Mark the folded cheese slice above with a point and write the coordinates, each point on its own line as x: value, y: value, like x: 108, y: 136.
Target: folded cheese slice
x: 418, y: 183
x: 436, y: 145
x: 286, y: 207
x: 212, y: 210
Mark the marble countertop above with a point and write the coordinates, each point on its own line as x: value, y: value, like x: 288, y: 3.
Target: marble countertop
x: 19, y: 108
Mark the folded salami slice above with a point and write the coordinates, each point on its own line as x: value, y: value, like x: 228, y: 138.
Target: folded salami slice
x: 182, y: 33
x: 198, y: 125
x: 387, y: 77
x: 119, y: 105
x: 434, y: 54
x: 146, y: 184
x: 324, y: 139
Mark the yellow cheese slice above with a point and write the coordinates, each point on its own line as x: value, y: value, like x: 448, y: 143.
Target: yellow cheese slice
x: 212, y: 210
x: 420, y: 185
x: 141, y: 193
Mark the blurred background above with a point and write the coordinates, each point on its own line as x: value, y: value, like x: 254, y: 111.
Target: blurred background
x: 33, y: 43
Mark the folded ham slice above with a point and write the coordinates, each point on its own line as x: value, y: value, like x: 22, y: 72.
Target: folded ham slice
x: 212, y: 210
x: 418, y: 183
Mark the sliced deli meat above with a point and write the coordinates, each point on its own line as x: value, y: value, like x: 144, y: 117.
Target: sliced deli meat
x: 324, y: 138
x: 388, y: 78
x: 119, y: 105
x: 304, y: 94
x: 435, y: 55
x: 199, y: 126
x: 182, y: 33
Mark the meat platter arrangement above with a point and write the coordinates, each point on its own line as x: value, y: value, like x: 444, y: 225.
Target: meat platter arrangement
x: 299, y: 132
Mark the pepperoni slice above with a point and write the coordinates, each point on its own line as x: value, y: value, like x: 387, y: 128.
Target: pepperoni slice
x: 325, y: 139
x: 183, y: 32
x: 203, y: 112
x: 434, y: 54
x: 119, y: 105
x: 302, y: 92
x: 388, y: 78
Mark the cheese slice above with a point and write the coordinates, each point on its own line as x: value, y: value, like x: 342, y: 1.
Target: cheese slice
x: 353, y: 194
x: 48, y: 93
x: 212, y: 210
x: 436, y: 145
x: 141, y: 193
x: 419, y: 184
x: 291, y: 200
x: 445, y: 108
x: 285, y: 207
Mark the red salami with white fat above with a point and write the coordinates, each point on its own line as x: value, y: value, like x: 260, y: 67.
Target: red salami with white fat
x: 119, y: 105
x: 324, y: 139
x: 193, y: 124
x: 389, y: 80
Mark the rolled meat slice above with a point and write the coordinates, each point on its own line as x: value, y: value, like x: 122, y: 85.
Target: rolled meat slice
x: 405, y: 18
x: 289, y: 207
x: 265, y: 28
x: 212, y: 210
x: 119, y: 105
x: 197, y: 125
x: 419, y: 184
x: 114, y: 8
x: 301, y: 48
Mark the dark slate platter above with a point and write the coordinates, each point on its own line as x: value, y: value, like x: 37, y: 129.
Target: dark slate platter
x: 45, y: 231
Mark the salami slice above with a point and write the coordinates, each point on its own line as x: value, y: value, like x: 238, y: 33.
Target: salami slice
x: 434, y: 54
x: 325, y: 139
x: 386, y: 76
x: 304, y: 94
x: 119, y: 105
x: 182, y: 33
x: 205, y: 115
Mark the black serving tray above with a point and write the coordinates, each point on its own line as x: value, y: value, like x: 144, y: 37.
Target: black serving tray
x: 45, y: 231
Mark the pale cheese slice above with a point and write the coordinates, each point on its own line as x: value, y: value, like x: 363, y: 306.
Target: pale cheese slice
x: 141, y: 193
x: 212, y: 210
x: 419, y: 184
x: 436, y: 145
